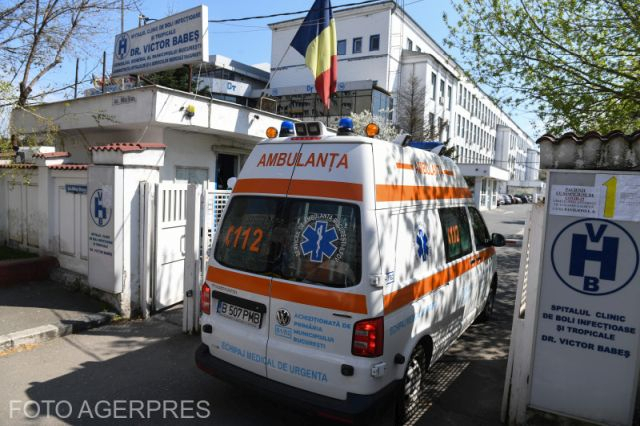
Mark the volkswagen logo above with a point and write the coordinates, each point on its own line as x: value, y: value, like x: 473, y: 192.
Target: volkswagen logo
x: 283, y: 317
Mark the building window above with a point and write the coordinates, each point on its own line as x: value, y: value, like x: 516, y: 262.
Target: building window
x: 374, y: 42
x: 449, y: 98
x: 418, y: 49
x: 342, y: 47
x: 192, y: 174
x: 442, y: 89
x: 357, y: 45
x: 432, y: 126
x: 433, y: 85
x: 409, y: 44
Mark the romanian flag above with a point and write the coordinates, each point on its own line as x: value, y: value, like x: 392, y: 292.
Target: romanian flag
x: 316, y: 41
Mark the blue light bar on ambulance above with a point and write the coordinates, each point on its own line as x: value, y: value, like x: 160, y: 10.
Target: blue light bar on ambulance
x: 345, y: 126
x: 287, y: 129
x: 427, y: 146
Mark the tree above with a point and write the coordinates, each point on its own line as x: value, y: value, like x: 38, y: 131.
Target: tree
x: 411, y: 97
x: 35, y: 35
x: 411, y: 116
x: 575, y: 61
x: 177, y: 78
x: 360, y: 120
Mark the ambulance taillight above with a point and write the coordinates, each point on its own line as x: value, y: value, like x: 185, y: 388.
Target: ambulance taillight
x: 205, y: 299
x: 368, y: 337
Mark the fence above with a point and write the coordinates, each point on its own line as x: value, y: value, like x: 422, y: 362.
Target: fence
x: 43, y: 210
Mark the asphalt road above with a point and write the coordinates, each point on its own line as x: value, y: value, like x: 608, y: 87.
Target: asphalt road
x: 96, y: 376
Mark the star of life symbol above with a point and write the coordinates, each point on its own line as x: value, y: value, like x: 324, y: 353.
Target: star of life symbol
x: 319, y: 241
x: 423, y: 248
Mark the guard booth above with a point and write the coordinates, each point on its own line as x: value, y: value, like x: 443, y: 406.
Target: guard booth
x: 576, y: 329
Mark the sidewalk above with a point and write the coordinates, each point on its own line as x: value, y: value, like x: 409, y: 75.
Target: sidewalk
x: 35, y: 312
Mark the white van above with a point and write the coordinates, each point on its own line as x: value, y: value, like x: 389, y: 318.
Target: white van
x: 343, y: 268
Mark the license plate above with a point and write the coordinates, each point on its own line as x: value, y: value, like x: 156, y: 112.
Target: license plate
x: 239, y: 313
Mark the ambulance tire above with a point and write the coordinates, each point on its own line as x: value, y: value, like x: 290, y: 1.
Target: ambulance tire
x: 412, y: 386
x: 489, y: 304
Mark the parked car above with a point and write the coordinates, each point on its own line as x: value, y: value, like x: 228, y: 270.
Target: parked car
x: 506, y: 200
x: 522, y: 198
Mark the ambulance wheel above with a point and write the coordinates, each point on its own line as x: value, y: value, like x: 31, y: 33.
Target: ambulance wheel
x: 412, y: 385
x: 489, y: 304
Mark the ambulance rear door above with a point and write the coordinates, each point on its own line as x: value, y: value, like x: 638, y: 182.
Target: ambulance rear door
x: 321, y: 289
x: 240, y: 268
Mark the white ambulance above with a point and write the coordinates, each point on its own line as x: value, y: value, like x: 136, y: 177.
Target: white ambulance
x: 343, y: 268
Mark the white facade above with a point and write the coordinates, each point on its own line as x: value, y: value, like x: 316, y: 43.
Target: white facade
x: 460, y: 111
x: 218, y: 132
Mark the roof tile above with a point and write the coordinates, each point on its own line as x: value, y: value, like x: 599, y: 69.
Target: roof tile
x: 51, y: 155
x: 128, y: 146
x: 591, y: 151
x: 18, y: 166
x: 69, y: 166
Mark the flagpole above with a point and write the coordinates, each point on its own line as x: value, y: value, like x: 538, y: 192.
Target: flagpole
x: 326, y: 115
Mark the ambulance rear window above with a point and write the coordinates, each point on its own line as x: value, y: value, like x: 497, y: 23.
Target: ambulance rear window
x: 310, y: 241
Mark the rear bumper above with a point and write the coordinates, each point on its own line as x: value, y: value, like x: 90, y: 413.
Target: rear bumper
x: 355, y: 409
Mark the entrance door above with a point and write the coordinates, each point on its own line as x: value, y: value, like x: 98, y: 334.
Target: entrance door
x: 226, y: 167
x: 168, y: 280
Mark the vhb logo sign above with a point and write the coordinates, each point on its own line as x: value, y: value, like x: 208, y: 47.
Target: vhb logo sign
x: 602, y: 256
x: 100, y: 214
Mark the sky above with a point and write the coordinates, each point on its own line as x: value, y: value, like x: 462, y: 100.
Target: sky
x: 247, y: 41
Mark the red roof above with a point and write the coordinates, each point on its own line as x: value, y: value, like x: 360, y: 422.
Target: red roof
x: 69, y: 166
x: 128, y: 147
x: 18, y: 166
x: 47, y: 155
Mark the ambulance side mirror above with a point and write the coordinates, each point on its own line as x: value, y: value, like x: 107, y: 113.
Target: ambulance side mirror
x: 497, y: 240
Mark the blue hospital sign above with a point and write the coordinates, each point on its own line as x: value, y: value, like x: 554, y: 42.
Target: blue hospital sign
x: 594, y: 256
x: 100, y: 214
x: 122, y: 46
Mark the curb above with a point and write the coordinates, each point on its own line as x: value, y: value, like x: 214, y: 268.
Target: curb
x: 48, y: 332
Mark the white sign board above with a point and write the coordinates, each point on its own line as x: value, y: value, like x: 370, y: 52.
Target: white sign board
x: 612, y: 196
x: 588, y: 324
x: 105, y: 229
x: 228, y: 87
x: 164, y: 44
x: 573, y: 200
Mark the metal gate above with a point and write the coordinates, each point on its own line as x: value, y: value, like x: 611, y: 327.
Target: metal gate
x: 204, y: 211
x: 167, y: 284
